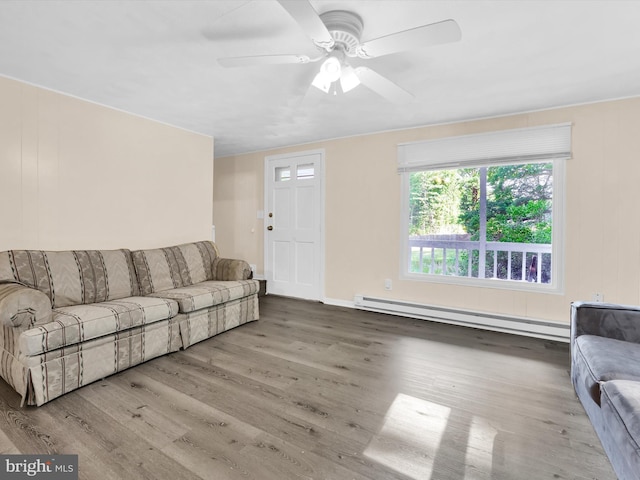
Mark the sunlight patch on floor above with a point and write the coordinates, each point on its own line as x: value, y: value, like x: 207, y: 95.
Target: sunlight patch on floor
x: 410, y: 436
x: 413, y: 430
x: 479, y: 456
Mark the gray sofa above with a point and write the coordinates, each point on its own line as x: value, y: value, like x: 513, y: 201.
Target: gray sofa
x: 605, y: 371
x: 73, y: 317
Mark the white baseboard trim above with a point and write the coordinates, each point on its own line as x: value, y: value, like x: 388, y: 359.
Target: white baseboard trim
x: 339, y: 303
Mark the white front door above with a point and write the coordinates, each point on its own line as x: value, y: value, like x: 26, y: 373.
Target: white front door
x: 294, y: 224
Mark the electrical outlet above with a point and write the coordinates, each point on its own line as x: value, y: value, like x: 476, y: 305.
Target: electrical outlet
x: 598, y: 297
x: 387, y: 284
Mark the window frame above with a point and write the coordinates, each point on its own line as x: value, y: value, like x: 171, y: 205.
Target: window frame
x: 556, y: 286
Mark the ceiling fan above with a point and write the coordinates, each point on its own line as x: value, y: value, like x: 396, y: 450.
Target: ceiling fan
x: 336, y: 34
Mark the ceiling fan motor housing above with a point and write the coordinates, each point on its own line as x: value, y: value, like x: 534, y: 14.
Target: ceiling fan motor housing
x: 345, y: 28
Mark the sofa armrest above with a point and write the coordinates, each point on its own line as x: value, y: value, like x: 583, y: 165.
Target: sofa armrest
x: 231, y: 269
x: 620, y: 322
x: 22, y: 306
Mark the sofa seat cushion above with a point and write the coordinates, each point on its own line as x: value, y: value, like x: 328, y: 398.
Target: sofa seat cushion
x: 79, y: 323
x: 622, y: 398
x: 610, y: 359
x: 208, y: 322
x: 209, y: 294
x: 605, y: 359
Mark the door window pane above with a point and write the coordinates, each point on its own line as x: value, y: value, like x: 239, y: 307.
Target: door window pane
x: 305, y: 171
x: 283, y: 174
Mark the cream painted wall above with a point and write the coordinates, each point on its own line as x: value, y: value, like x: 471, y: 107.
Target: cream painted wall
x: 238, y: 195
x: 363, y: 213
x: 78, y: 175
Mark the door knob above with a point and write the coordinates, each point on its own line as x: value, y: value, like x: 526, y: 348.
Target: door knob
x: 269, y: 228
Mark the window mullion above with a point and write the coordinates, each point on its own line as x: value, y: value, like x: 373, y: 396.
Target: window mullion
x: 483, y: 223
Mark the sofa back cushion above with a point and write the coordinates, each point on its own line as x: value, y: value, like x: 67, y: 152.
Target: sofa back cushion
x: 173, y: 267
x: 73, y: 277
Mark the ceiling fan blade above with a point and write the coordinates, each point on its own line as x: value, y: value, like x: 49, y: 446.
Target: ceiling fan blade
x: 446, y: 31
x: 263, y: 60
x: 307, y: 17
x: 383, y: 86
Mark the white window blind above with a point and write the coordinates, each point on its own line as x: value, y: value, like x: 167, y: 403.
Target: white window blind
x: 522, y: 145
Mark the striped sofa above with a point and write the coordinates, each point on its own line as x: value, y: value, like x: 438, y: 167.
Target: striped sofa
x: 70, y: 318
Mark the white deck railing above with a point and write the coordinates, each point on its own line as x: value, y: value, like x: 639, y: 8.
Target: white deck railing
x: 433, y: 258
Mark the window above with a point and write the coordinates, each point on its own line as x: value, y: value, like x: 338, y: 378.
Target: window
x: 482, y: 218
x: 283, y: 174
x: 305, y: 171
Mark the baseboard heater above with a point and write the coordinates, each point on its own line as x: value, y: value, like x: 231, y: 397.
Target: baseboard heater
x: 488, y: 321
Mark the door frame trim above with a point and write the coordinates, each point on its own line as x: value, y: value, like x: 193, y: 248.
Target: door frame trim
x: 321, y: 236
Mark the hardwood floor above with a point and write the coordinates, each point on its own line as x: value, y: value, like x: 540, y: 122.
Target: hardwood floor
x: 320, y: 392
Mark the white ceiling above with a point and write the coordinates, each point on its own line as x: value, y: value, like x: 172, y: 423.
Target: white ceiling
x: 158, y: 59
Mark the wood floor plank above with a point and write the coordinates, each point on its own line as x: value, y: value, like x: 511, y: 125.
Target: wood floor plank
x: 6, y: 445
x: 324, y: 392
x: 141, y: 419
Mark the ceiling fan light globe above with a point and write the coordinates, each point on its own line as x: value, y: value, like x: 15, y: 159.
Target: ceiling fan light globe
x: 321, y: 82
x: 349, y: 80
x: 331, y: 69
